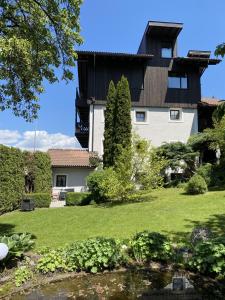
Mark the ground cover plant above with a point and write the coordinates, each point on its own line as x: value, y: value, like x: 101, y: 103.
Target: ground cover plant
x: 168, y: 211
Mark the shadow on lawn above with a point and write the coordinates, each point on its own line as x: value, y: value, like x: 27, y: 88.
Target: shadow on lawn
x: 6, y: 229
x: 123, y: 203
x: 216, y: 223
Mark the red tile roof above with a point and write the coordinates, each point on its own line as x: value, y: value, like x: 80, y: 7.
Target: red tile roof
x: 70, y: 157
x: 211, y: 101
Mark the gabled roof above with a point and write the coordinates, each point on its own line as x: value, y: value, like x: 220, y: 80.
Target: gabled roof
x: 70, y: 158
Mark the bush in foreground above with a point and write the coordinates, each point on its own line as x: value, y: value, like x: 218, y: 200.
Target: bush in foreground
x: 206, y: 172
x: 146, y: 246
x: 196, y: 185
x: 40, y: 199
x: 75, y: 199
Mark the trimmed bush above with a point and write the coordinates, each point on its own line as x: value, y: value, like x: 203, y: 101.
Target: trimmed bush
x: 74, y: 199
x: 206, y: 172
x: 196, y: 185
x: 11, y: 178
x: 42, y: 173
x: 146, y: 246
x: 40, y: 199
x: 104, y: 185
x: 140, y: 196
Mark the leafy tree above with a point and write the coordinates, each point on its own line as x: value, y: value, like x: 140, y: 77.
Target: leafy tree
x: 108, y: 157
x: 140, y: 165
x: 219, y: 112
x: 179, y: 155
x: 122, y: 124
x: 220, y: 50
x: 36, y: 37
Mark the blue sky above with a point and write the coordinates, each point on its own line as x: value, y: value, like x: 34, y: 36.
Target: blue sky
x: 118, y: 25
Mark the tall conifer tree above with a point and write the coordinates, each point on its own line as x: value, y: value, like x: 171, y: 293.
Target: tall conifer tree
x: 122, y: 125
x: 109, y: 126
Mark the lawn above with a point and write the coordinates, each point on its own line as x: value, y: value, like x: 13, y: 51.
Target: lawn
x: 170, y: 211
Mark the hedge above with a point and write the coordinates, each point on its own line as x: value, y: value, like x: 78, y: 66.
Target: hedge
x: 11, y: 178
x: 42, y: 173
x: 40, y: 199
x: 76, y: 198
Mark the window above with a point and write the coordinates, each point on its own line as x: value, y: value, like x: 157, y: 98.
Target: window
x: 176, y: 81
x: 175, y: 114
x: 167, y: 50
x: 140, y: 116
x: 61, y: 180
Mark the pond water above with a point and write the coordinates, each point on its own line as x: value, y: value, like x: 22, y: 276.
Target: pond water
x: 129, y: 285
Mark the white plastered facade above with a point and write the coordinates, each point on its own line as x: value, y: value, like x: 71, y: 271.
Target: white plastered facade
x: 157, y: 127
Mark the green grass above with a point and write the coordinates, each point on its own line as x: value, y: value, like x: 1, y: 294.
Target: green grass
x: 169, y: 212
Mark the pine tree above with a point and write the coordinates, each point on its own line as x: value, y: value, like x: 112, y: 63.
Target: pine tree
x: 122, y: 124
x: 109, y: 126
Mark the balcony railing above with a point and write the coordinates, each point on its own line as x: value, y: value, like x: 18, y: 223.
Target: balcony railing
x: 82, y: 127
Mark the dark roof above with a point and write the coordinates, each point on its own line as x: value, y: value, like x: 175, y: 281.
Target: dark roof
x: 70, y: 158
x: 168, y: 29
x: 201, y: 60
x: 114, y: 54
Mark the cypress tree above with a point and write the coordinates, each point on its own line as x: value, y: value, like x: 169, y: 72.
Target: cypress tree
x: 109, y: 126
x: 122, y: 124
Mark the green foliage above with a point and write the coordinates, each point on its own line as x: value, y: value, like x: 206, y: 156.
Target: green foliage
x: 104, y: 185
x: 11, y: 178
x: 140, y: 196
x: 209, y: 258
x: 179, y: 155
x: 37, y: 37
x: 108, y: 156
x: 92, y: 255
x: 18, y: 244
x: 196, y: 185
x: 122, y: 124
x: 146, y: 246
x: 22, y: 275
x: 40, y: 199
x: 219, y: 112
x: 52, y: 261
x: 206, y: 171
x: 42, y: 173
x: 74, y: 199
x: 117, y: 134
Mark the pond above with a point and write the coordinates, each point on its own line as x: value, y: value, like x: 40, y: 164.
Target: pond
x: 129, y: 285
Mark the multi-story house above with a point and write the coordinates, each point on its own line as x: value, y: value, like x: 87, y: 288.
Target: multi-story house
x: 165, y: 88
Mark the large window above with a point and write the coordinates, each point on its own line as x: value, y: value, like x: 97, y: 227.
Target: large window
x: 61, y: 180
x: 140, y: 116
x: 176, y: 81
x: 167, y: 50
x: 175, y: 114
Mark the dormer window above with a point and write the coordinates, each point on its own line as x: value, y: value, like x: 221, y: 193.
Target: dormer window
x: 177, y: 81
x: 167, y: 50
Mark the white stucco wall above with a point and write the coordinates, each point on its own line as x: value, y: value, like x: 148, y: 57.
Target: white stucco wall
x: 76, y: 178
x: 158, y: 127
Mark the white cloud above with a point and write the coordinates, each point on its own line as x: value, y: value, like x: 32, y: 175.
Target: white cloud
x: 43, y: 140
x: 9, y: 136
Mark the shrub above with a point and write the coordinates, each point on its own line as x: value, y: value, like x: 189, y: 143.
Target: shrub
x: 40, y: 199
x: 104, y: 185
x: 52, y: 261
x: 206, y: 172
x: 196, y: 185
x: 94, y: 255
x: 42, y: 172
x: 209, y: 258
x: 146, y: 246
x: 140, y: 196
x: 18, y: 244
x: 11, y: 178
x: 73, y: 199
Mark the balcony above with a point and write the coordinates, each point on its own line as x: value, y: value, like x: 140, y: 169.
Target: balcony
x: 82, y: 127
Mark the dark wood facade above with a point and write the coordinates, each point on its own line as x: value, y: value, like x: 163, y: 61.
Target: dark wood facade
x: 147, y: 73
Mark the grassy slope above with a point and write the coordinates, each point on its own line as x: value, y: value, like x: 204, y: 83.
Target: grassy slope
x: 170, y: 211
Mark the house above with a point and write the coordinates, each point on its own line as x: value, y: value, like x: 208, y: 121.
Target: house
x: 70, y: 169
x: 165, y: 88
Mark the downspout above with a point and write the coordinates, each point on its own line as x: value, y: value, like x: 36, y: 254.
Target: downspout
x: 93, y: 103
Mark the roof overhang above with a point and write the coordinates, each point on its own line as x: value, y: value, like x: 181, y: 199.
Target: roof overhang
x: 167, y: 29
x: 123, y: 56
x: 197, y: 60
